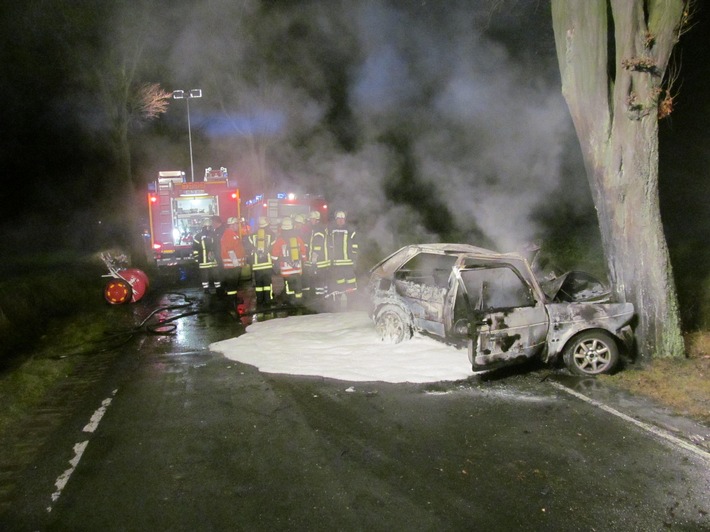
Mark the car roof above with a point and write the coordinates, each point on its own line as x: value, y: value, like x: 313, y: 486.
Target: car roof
x: 399, y: 257
x: 452, y: 248
x: 390, y: 264
x: 464, y: 249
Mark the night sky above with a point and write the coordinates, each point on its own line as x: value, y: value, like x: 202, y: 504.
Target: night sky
x: 425, y: 120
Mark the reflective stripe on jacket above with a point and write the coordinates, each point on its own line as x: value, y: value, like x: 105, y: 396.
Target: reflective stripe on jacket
x: 290, y: 253
x: 261, y: 243
x: 204, y: 250
x: 232, y: 250
x: 318, y: 248
x: 343, y: 246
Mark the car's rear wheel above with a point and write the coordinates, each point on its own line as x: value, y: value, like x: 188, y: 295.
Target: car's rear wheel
x: 393, y: 325
x: 591, y: 353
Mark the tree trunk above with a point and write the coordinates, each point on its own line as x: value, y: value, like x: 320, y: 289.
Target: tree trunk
x: 131, y: 217
x: 126, y: 201
x: 613, y: 100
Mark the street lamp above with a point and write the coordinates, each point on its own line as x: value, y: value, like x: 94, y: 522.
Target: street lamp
x: 182, y: 95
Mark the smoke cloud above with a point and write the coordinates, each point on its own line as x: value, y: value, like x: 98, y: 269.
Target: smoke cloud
x: 425, y: 122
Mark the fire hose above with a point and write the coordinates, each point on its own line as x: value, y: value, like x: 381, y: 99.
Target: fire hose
x: 163, y: 326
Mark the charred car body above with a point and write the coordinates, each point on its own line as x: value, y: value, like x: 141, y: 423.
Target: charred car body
x: 495, y: 305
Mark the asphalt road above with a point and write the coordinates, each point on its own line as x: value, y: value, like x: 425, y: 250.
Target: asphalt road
x: 166, y: 435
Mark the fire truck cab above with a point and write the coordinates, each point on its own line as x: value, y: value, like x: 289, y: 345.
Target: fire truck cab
x: 178, y: 209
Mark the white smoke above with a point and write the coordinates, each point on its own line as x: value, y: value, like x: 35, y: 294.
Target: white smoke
x: 484, y: 126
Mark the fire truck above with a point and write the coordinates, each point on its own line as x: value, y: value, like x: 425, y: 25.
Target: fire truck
x: 278, y: 205
x: 178, y: 209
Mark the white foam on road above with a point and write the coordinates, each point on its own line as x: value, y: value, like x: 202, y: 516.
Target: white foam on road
x: 343, y: 346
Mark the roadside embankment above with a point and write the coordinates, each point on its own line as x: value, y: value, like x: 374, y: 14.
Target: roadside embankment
x: 38, y: 289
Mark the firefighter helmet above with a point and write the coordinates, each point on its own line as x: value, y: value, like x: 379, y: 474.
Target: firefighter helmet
x: 287, y: 224
x: 314, y: 215
x: 299, y: 219
x: 263, y: 221
x: 232, y: 220
x: 340, y: 214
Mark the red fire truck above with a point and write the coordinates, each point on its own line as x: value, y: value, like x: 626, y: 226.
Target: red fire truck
x: 178, y: 209
x: 278, y: 205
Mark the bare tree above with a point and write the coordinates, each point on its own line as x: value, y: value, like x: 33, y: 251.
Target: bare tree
x: 613, y: 57
x: 151, y: 101
x: 108, y: 46
x: 128, y: 104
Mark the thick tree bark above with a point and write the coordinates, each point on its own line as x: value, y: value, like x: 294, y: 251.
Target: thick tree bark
x: 613, y: 97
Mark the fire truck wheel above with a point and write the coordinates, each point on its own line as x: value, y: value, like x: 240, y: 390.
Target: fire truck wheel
x: 117, y: 292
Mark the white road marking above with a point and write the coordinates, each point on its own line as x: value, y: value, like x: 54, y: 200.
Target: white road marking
x: 96, y: 417
x: 62, y: 480
x: 645, y: 426
x: 79, y: 449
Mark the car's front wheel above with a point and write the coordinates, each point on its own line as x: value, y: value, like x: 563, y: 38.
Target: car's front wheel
x: 393, y: 325
x: 591, y: 353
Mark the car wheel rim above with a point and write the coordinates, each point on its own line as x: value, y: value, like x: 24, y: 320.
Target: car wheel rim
x: 592, y: 356
x: 391, y: 327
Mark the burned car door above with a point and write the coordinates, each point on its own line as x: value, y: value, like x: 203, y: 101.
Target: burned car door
x: 507, y: 323
x: 422, y: 284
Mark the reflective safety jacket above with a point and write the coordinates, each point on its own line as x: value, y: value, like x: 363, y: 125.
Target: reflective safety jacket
x: 289, y: 253
x: 203, y: 248
x: 342, y: 245
x: 318, y: 247
x: 232, y: 250
x: 260, y: 244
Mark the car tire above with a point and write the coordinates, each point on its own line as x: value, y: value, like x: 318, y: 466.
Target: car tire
x: 591, y: 353
x: 393, y: 325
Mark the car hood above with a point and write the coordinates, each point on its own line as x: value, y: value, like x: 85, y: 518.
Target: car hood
x: 575, y: 286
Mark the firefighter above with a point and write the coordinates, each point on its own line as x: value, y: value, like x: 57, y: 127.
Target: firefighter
x: 302, y: 230
x: 318, y: 264
x: 342, y: 252
x: 259, y: 251
x: 244, y: 228
x: 218, y: 229
x: 311, y: 222
x: 300, y: 227
x: 288, y: 254
x: 233, y: 257
x: 203, y: 249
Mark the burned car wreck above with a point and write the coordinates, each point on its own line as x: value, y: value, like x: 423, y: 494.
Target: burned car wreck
x: 493, y: 304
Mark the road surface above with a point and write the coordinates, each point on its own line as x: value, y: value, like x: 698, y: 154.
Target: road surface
x: 165, y: 435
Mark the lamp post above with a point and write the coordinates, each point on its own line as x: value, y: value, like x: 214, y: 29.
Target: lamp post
x: 187, y: 96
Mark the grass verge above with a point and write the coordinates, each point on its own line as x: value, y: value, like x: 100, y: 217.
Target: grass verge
x: 65, y: 343
x: 52, y: 312
x: 682, y: 384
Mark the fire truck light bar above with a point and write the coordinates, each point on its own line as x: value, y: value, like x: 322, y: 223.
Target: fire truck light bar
x: 286, y: 195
